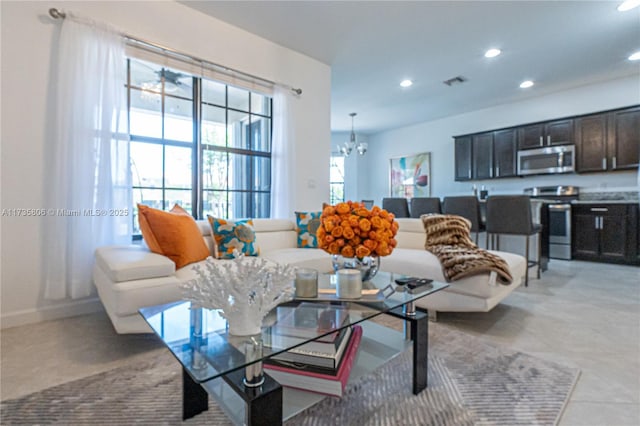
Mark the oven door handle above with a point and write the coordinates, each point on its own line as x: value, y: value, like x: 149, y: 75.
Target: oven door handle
x: 560, y: 207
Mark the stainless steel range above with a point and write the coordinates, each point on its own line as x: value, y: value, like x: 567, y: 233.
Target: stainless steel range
x: 557, y: 199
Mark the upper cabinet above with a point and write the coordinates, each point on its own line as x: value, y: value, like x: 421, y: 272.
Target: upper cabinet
x: 504, y: 153
x: 604, y: 141
x: 624, y: 143
x: 482, y: 156
x: 486, y: 155
x: 608, y: 141
x: 463, y: 157
x: 559, y: 132
x: 591, y: 143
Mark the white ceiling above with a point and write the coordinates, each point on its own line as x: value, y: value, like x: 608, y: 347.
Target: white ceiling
x: 372, y: 46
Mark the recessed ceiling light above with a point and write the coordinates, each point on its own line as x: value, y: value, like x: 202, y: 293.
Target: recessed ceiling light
x: 526, y: 84
x: 628, y: 5
x: 492, y: 53
x: 635, y: 56
x: 406, y: 83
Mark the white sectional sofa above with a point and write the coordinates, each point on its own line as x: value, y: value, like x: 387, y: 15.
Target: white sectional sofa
x: 131, y: 277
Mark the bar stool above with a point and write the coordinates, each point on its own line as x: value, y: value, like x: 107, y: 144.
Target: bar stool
x: 367, y: 203
x: 511, y: 215
x: 467, y: 207
x: 424, y: 205
x: 398, y: 206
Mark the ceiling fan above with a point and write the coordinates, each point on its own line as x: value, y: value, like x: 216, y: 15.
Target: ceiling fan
x: 171, y: 81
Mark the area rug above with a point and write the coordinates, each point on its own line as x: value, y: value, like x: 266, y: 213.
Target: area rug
x: 470, y: 383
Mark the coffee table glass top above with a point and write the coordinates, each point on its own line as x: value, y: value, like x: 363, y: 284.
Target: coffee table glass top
x: 198, y: 338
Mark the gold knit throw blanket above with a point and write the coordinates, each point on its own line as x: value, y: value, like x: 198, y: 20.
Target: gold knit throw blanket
x: 448, y: 239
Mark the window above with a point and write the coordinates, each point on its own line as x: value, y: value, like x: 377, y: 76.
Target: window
x: 236, y: 151
x: 336, y: 179
x: 198, y: 143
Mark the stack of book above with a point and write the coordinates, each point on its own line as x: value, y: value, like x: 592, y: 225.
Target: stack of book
x: 322, y: 365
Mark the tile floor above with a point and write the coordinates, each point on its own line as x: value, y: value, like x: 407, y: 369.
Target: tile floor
x: 579, y: 314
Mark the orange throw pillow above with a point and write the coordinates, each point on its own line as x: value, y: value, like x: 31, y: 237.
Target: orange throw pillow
x: 174, y: 234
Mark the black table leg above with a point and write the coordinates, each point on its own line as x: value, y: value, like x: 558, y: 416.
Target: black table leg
x: 266, y: 406
x: 264, y: 403
x: 419, y: 321
x: 195, y: 399
x: 420, y: 337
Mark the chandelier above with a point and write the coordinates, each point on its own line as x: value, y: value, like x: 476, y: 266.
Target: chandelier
x: 348, y: 147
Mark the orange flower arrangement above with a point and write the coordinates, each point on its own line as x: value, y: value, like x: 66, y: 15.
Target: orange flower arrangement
x: 349, y: 229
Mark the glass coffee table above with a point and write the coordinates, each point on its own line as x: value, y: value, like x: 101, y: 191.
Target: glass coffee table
x: 229, y: 368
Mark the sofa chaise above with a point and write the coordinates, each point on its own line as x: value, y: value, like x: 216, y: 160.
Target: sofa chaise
x: 131, y: 277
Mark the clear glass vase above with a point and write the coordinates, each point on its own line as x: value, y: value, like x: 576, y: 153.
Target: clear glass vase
x: 368, y: 266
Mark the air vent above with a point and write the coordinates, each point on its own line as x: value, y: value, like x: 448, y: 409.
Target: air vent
x: 455, y: 80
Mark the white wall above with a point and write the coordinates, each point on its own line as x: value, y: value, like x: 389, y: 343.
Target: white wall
x: 28, y: 39
x: 436, y: 137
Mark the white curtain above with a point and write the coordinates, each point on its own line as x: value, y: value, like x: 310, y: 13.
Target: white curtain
x: 88, y: 182
x: 283, y: 155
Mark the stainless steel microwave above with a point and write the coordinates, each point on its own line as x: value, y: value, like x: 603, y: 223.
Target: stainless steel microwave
x: 550, y: 160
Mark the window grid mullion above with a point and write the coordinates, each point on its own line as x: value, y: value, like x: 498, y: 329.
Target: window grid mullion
x: 164, y: 145
x: 196, y: 154
x: 250, y: 207
x: 226, y: 129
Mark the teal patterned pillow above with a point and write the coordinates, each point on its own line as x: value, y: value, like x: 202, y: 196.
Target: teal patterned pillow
x: 232, y: 235
x: 308, y: 224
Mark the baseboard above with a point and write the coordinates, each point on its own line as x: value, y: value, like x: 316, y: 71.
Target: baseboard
x: 48, y: 313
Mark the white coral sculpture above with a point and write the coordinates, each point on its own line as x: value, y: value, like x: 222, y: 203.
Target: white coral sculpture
x: 244, y: 288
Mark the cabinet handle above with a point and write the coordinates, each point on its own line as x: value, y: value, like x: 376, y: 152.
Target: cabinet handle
x: 541, y: 141
x: 497, y: 171
x: 599, y: 209
x: 548, y: 139
x: 597, y: 222
x: 613, y: 160
x: 604, y: 163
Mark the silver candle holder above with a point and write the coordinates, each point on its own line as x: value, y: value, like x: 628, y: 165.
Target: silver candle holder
x: 306, y: 282
x: 349, y: 284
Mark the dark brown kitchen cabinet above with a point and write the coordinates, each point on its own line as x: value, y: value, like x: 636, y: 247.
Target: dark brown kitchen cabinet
x: 604, y: 141
x: 559, y: 132
x: 605, y: 233
x: 624, y: 139
x: 608, y: 141
x: 504, y: 153
x: 463, y: 158
x: 586, y: 234
x: 531, y: 136
x: 486, y: 155
x: 482, y: 156
x: 591, y: 143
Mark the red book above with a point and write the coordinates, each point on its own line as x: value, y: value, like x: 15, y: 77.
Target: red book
x: 316, y: 382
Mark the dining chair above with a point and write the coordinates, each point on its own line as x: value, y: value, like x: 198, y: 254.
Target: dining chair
x: 467, y: 207
x: 396, y: 205
x: 424, y: 205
